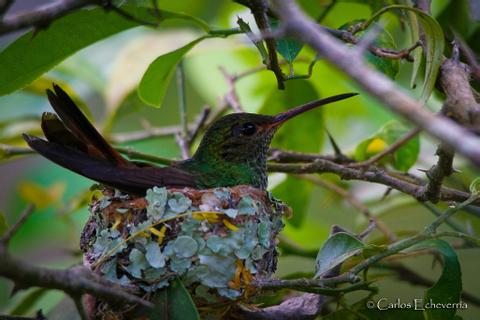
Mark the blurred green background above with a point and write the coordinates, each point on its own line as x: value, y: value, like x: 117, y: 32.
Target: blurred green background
x: 105, y: 76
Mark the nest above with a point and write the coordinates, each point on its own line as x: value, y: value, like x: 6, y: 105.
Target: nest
x: 216, y: 241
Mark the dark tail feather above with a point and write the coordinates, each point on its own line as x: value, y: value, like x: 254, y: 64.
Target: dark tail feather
x: 130, y: 179
x: 55, y: 131
x: 79, y: 126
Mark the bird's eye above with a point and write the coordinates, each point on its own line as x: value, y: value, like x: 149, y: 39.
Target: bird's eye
x: 248, y: 129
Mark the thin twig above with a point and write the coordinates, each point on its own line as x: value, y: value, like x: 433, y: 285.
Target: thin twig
x: 372, y: 175
x: 147, y: 134
x: 7, y: 236
x: 284, y: 156
x: 200, y: 123
x: 231, y: 96
x: 326, y: 11
x: 259, y: 9
x: 438, y: 213
x: 7, y: 151
x: 182, y: 137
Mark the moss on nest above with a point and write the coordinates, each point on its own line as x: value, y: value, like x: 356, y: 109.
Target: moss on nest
x: 215, y: 240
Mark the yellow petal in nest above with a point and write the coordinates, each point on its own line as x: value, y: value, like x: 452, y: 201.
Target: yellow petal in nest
x: 117, y: 222
x: 210, y: 216
x: 246, y: 276
x: 159, y: 233
x: 143, y: 234
x: 230, y: 225
x: 96, y: 195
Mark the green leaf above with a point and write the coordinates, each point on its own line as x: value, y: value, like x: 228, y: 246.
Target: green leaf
x: 416, y: 54
x: 434, y: 45
x: 156, y: 79
x: 407, y: 155
x: 287, y: 47
x: 30, y: 56
x: 296, y: 193
x: 336, y: 250
x: 3, y: 223
x: 174, y: 303
x: 448, y: 287
x: 402, y: 159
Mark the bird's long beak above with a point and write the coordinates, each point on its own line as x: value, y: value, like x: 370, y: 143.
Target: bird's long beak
x: 289, y: 114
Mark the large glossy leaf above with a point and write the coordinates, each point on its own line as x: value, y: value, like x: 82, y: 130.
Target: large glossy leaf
x: 434, y: 44
x: 339, y: 247
x: 156, y: 79
x: 448, y: 288
x: 174, y: 303
x: 30, y: 56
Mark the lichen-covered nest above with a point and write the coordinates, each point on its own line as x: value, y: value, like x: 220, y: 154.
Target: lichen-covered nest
x: 216, y: 240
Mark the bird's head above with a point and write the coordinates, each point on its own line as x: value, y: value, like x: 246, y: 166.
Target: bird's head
x: 246, y: 137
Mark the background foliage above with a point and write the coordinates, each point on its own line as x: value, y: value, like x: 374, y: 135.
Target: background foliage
x: 120, y: 70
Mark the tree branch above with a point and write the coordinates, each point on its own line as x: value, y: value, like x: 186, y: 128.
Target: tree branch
x: 41, y: 16
x: 259, y: 10
x: 75, y: 281
x: 375, y: 83
x: 326, y: 285
x: 374, y: 174
x: 461, y: 107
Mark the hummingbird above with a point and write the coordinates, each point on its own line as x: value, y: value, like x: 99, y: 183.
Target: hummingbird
x: 233, y: 150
